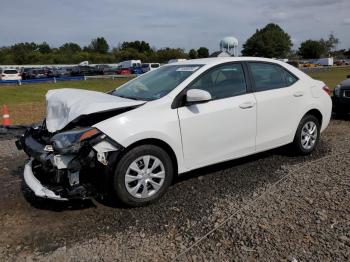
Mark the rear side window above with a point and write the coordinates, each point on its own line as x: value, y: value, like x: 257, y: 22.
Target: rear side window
x: 223, y: 81
x: 269, y: 76
x: 290, y: 79
x: 154, y: 65
x: 10, y: 72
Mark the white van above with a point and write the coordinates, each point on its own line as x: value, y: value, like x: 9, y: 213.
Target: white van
x: 130, y: 64
x: 149, y: 67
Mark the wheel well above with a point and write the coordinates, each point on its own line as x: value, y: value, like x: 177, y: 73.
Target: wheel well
x: 316, y: 113
x: 161, y: 144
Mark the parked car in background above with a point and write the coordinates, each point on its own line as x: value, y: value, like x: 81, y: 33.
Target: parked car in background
x: 135, y: 140
x: 101, y: 69
x: 328, y: 61
x: 83, y: 71
x: 10, y: 74
x: 176, y: 60
x: 309, y: 65
x: 110, y: 71
x: 341, y: 98
x: 146, y: 67
x: 123, y: 71
x: 35, y: 73
x: 58, y: 72
x: 134, y: 66
x: 25, y: 73
x: 341, y: 63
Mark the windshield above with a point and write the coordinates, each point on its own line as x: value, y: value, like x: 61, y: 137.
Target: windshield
x: 156, y: 83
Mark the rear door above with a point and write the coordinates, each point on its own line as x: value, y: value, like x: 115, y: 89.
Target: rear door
x: 280, y: 98
x: 223, y: 128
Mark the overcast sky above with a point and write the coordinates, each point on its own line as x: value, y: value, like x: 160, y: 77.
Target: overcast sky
x: 175, y: 23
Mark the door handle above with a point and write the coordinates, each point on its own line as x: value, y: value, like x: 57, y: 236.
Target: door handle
x: 298, y: 94
x: 247, y: 105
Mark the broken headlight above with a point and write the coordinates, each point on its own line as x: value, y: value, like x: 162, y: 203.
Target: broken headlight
x: 71, y: 141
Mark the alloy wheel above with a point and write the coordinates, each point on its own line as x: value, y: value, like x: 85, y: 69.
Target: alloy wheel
x: 145, y: 176
x: 309, y: 134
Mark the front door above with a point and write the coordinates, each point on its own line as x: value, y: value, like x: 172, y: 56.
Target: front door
x: 221, y: 129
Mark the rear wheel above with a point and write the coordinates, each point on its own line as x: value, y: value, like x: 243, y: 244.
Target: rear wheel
x: 143, y: 175
x: 307, y: 135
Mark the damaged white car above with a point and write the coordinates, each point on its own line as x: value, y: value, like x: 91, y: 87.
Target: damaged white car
x: 132, y: 141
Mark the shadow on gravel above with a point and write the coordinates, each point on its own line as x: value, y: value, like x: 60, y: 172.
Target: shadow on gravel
x: 281, y: 151
x: 110, y: 201
x: 345, y: 117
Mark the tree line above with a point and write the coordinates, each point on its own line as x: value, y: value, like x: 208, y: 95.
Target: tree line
x: 98, y: 51
x: 271, y: 41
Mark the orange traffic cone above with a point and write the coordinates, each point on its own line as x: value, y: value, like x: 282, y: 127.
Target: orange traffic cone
x: 5, y: 116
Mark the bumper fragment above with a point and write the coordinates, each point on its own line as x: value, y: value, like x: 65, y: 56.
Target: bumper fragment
x: 34, y: 184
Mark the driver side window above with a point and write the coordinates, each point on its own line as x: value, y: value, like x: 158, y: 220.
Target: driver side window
x: 221, y: 82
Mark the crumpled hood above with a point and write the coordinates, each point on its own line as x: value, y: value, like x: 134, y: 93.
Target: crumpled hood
x: 67, y: 104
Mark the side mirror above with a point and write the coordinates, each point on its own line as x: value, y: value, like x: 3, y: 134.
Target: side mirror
x: 348, y: 76
x: 194, y: 96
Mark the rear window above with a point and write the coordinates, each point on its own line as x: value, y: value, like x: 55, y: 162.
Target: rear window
x: 10, y: 72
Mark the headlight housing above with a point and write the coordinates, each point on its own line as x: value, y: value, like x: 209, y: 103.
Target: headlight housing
x: 337, y: 90
x: 71, y: 141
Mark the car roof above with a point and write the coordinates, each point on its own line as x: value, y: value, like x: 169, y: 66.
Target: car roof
x: 209, y: 62
x: 218, y: 60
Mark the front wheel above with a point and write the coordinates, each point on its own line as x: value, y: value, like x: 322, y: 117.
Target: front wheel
x: 307, y: 135
x: 143, y: 175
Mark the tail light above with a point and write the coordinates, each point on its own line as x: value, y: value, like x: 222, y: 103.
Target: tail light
x: 327, y: 90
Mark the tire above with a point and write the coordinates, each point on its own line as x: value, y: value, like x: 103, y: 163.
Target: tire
x: 299, y: 144
x: 131, y: 176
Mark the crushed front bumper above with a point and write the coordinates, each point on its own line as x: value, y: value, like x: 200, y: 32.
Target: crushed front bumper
x: 58, y: 176
x: 34, y: 184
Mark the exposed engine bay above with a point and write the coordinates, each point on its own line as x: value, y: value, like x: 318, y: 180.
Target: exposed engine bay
x: 68, y: 165
x: 70, y: 159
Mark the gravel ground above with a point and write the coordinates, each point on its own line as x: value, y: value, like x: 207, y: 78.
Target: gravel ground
x: 270, y: 206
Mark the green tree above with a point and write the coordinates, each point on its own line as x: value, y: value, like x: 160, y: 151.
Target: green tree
x: 140, y: 46
x: 44, y: 48
x: 311, y: 49
x: 99, y: 45
x: 329, y: 44
x: 271, y: 41
x: 165, y: 54
x: 70, y: 48
x: 203, y: 52
x: 193, y: 54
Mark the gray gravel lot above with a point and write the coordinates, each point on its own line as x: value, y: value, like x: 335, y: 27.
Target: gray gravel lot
x: 270, y: 206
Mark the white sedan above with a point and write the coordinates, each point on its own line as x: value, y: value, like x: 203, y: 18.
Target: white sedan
x: 133, y: 141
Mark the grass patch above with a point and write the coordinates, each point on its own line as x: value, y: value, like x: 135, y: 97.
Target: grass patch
x: 35, y: 93
x: 331, y: 77
x: 27, y: 102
